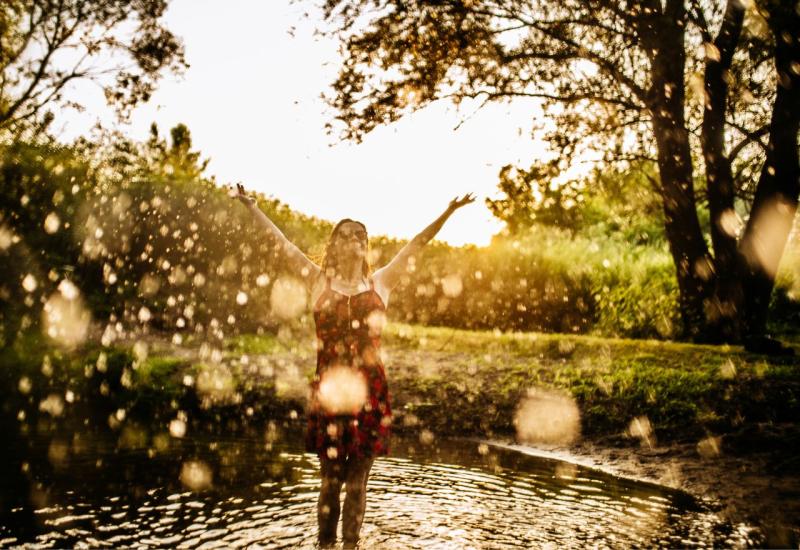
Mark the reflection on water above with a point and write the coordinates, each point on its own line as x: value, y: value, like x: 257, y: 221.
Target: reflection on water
x: 91, y: 491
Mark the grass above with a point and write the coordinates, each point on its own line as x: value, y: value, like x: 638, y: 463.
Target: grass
x: 449, y: 381
x: 473, y: 381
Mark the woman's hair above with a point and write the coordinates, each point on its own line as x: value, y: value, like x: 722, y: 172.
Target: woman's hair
x: 329, y: 259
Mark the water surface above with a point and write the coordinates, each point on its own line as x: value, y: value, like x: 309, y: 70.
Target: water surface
x: 200, y: 492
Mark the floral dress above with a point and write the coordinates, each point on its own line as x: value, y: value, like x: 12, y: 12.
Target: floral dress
x: 349, y: 413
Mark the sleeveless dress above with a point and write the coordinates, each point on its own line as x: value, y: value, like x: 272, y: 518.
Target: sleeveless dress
x: 349, y: 413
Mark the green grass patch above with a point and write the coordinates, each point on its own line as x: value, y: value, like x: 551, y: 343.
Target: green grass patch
x: 472, y: 381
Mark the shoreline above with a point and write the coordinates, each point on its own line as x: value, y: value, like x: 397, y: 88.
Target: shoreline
x: 742, y: 488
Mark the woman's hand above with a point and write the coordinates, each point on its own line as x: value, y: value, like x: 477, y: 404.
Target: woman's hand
x: 457, y: 203
x: 242, y: 195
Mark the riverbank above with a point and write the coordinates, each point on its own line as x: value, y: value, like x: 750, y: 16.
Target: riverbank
x: 714, y: 421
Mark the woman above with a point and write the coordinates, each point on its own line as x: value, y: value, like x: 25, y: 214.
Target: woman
x: 349, y: 415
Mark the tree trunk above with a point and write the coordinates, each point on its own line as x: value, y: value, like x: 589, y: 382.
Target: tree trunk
x: 775, y: 202
x: 723, y: 309
x: 689, y: 250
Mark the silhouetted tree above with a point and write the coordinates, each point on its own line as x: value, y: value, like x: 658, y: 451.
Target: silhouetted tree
x: 47, y: 44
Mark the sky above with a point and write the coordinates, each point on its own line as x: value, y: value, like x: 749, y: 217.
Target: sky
x: 252, y: 101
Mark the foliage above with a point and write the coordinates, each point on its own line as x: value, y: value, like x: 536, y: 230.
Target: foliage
x: 46, y: 46
x: 152, y: 245
x: 544, y: 279
x: 603, y: 202
x: 535, y: 196
x: 42, y: 189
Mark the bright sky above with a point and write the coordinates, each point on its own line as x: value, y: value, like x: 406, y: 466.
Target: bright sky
x: 252, y: 102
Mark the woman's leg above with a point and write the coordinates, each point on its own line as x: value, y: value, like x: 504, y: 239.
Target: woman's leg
x: 355, y: 501
x: 328, y: 505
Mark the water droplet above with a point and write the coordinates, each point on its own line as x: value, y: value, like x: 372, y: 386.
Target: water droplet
x: 177, y: 428
x: 24, y: 385
x: 452, y: 285
x: 144, y: 314
x: 641, y: 429
x: 52, y: 405
x: 709, y: 447
x: 51, y: 223
x: 288, y: 298
x: 546, y: 416
x: 727, y: 370
x: 196, y: 475
x: 66, y: 320
x: 426, y: 437
x: 29, y: 283
x: 342, y: 390
x: 68, y: 290
x: 6, y: 238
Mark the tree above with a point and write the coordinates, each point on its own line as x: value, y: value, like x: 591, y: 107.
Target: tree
x: 536, y: 196
x: 670, y: 81
x: 47, y: 44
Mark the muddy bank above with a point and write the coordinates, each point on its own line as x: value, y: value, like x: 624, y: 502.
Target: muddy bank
x: 758, y: 485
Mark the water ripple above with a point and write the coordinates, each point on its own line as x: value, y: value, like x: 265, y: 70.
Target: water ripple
x: 447, y: 496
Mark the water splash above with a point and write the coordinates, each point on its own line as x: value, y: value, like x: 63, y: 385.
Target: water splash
x: 547, y: 417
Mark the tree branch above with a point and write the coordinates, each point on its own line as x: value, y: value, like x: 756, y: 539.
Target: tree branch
x: 750, y: 137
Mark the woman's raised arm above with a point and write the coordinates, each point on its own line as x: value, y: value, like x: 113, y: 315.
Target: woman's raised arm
x: 389, y: 275
x: 298, y: 262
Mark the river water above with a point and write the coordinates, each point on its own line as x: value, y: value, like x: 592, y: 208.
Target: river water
x: 135, y: 490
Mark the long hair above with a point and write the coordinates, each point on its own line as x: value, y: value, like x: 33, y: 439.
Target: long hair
x: 329, y: 260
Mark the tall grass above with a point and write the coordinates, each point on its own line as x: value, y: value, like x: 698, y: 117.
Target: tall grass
x: 547, y: 280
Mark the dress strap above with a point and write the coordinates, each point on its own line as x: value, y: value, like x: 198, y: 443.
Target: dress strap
x: 328, y: 282
x: 371, y: 284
